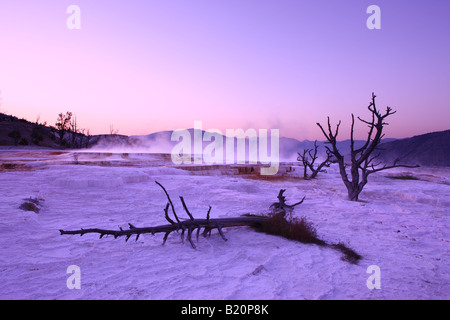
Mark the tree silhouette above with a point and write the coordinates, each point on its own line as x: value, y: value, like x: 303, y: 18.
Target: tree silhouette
x: 363, y: 158
x: 63, y: 125
x: 308, y: 159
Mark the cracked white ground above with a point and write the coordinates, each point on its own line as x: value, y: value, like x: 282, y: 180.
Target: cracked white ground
x: 402, y: 226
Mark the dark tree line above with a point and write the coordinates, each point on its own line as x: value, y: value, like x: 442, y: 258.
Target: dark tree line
x: 68, y: 132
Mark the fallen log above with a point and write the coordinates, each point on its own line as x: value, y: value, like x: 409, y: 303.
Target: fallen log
x: 189, y: 225
x: 279, y: 222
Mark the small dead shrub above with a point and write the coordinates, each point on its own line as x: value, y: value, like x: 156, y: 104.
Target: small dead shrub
x: 291, y: 228
x: 31, y: 204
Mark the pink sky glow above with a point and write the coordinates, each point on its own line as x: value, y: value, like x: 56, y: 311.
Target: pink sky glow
x: 147, y: 66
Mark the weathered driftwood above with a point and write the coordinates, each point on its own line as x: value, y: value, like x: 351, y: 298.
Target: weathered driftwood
x: 281, y: 207
x: 185, y: 226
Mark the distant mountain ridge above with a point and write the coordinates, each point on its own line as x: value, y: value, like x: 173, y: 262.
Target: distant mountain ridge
x: 431, y: 149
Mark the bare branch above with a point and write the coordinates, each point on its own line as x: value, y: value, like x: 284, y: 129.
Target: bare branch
x: 170, y: 201
x: 392, y: 166
x: 188, y: 225
x: 185, y: 208
x: 281, y: 206
x: 166, y: 215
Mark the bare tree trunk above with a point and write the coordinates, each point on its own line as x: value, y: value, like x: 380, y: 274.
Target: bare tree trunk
x: 362, y: 159
x: 304, y: 160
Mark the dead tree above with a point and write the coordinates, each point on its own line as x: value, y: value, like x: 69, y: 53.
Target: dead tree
x: 63, y: 125
x: 185, y: 226
x: 362, y: 159
x: 113, y: 131
x: 308, y: 159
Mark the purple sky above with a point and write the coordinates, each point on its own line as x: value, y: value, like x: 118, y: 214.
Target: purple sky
x: 146, y: 66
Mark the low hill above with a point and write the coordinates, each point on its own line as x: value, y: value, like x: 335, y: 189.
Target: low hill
x: 431, y: 149
x: 15, y: 131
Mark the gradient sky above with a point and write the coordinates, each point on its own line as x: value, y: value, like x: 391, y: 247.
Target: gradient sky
x: 146, y: 66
